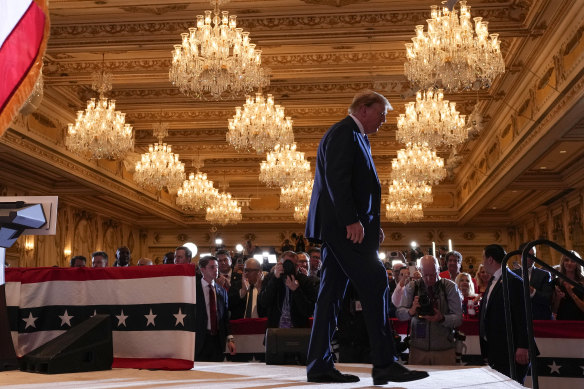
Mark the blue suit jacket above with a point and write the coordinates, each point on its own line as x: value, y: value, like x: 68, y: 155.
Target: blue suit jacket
x: 346, y: 187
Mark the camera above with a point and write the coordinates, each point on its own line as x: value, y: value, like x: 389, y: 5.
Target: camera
x: 426, y: 307
x: 289, y: 268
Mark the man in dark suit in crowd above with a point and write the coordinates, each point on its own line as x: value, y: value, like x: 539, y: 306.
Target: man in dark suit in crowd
x: 227, y: 274
x: 182, y: 255
x: 212, y: 316
x: 287, y: 295
x: 493, y: 333
x: 344, y: 214
x: 123, y: 257
x: 540, y: 286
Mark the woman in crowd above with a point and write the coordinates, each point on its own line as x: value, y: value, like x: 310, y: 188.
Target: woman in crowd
x: 469, y: 303
x: 568, y: 303
x: 482, y: 278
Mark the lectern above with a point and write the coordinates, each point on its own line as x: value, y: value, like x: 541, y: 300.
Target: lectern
x: 30, y: 215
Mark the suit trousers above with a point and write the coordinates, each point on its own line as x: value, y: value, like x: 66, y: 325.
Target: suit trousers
x: 344, y: 261
x: 211, y: 350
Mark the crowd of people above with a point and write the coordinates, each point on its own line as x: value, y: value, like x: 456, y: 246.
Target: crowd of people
x: 432, y: 294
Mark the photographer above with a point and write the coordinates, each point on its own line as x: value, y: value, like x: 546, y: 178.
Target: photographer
x: 434, y: 306
x: 287, y: 295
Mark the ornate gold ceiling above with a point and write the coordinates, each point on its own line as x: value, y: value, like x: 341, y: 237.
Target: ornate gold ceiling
x: 321, y: 53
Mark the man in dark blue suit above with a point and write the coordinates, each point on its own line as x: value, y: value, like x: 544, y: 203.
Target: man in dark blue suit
x: 493, y: 332
x: 540, y: 286
x: 344, y: 215
x: 212, y: 315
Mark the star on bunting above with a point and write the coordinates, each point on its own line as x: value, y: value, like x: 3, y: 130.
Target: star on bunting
x: 180, y: 317
x: 66, y: 319
x: 30, y: 321
x: 150, y: 318
x: 554, y: 368
x: 121, y: 319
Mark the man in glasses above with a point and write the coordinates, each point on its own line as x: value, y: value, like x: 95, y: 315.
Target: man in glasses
x: 243, y: 297
x: 434, y: 306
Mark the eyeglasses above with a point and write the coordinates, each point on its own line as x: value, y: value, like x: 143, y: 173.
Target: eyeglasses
x: 250, y: 270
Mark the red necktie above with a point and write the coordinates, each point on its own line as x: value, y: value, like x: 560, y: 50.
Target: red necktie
x: 212, y: 310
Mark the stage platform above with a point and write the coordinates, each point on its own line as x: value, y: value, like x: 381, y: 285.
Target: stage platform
x: 227, y: 375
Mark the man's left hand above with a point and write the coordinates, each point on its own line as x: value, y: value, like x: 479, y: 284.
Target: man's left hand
x: 522, y: 356
x: 231, y: 347
x: 291, y: 283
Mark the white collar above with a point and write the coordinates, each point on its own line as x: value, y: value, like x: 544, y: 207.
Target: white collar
x: 361, y: 129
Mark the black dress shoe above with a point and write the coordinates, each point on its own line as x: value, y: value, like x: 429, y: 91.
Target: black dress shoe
x: 332, y: 376
x: 396, y: 373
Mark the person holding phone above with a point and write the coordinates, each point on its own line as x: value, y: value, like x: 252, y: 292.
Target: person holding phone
x: 243, y: 295
x: 227, y: 276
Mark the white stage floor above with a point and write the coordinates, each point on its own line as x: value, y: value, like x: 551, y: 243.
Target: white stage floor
x: 227, y: 375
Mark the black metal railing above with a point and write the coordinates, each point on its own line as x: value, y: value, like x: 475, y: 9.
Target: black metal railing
x: 525, y: 255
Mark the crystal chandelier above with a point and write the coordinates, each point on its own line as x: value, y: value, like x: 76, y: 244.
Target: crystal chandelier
x: 284, y: 165
x: 216, y: 58
x: 223, y: 210
x: 260, y: 125
x: 452, y: 52
x: 197, y: 192
x: 301, y: 213
x: 432, y: 120
x: 404, y: 191
x: 296, y: 194
x: 403, y: 212
x: 100, y: 129
x: 417, y: 163
x: 160, y: 167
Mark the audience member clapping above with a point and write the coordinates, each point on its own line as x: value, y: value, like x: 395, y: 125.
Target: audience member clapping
x: 568, y: 302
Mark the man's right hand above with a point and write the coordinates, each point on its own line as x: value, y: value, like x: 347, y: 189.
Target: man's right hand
x: 278, y: 270
x: 355, y: 232
x: 244, y: 287
x: 415, y: 305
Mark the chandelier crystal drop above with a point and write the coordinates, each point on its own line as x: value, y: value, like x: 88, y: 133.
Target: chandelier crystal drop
x: 301, y: 213
x: 452, y: 53
x: 283, y: 165
x: 403, y: 212
x: 100, y: 129
x: 223, y: 210
x: 216, y: 59
x: 296, y: 194
x: 260, y: 125
x: 160, y: 167
x: 196, y: 193
x: 417, y: 163
x: 404, y: 191
x: 431, y: 120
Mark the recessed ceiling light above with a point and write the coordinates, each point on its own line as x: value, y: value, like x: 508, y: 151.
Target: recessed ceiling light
x: 513, y: 191
x: 563, y: 151
x: 543, y: 167
x: 493, y: 207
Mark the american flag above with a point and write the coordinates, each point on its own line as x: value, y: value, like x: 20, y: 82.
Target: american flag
x: 23, y: 36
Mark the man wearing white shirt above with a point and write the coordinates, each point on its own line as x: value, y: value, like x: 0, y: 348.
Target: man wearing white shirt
x: 404, y: 279
x: 492, y: 331
x: 212, y: 315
